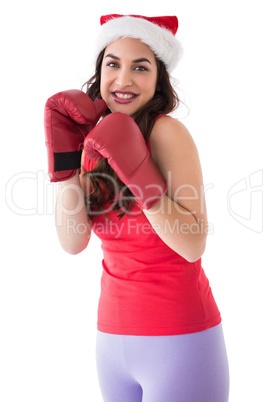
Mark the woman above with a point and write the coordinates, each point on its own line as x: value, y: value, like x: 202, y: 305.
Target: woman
x: 159, y: 329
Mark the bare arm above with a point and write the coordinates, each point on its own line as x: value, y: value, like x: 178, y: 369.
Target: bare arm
x: 180, y: 217
x: 72, y: 222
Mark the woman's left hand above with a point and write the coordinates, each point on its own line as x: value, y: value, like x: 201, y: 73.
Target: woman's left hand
x: 118, y: 138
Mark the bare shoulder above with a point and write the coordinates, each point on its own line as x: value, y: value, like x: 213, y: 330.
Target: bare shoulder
x: 175, y: 154
x: 170, y: 140
x: 173, y: 125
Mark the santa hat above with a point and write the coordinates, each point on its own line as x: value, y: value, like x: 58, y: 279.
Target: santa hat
x: 157, y: 32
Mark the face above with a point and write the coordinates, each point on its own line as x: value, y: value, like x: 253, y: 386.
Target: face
x: 128, y: 75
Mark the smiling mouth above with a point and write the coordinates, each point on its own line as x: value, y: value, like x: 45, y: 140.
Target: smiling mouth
x: 121, y: 95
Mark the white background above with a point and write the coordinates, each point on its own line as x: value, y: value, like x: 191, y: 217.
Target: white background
x: 48, y: 299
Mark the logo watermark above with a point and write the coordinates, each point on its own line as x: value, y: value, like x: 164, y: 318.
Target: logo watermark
x: 244, y: 199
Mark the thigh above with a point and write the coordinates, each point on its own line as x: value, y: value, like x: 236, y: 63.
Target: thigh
x: 183, y: 368
x: 116, y: 384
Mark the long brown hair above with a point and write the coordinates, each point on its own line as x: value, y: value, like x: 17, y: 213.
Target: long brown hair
x: 104, y: 184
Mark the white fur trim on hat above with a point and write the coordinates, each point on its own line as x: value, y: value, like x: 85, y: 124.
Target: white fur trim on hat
x: 162, y: 42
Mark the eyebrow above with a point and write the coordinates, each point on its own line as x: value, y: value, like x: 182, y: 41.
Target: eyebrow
x: 142, y: 59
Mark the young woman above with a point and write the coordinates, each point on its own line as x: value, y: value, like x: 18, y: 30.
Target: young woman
x: 159, y: 329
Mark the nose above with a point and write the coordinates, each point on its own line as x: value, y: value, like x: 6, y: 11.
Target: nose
x: 123, y: 79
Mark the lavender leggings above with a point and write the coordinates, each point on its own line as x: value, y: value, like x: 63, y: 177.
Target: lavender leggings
x: 178, y: 368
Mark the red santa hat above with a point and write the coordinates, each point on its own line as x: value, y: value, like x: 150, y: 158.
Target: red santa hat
x: 157, y: 32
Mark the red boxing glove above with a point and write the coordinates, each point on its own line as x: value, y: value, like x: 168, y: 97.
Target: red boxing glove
x: 118, y: 138
x: 69, y: 116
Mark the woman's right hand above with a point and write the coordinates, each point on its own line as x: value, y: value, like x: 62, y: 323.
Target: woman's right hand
x: 69, y: 116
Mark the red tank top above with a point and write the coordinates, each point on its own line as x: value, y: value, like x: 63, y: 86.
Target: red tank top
x: 146, y: 287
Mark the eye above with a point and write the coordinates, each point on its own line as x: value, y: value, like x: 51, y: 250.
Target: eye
x: 140, y: 68
x: 112, y: 64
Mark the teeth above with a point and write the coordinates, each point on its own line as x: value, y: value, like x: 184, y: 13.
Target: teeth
x: 124, y: 96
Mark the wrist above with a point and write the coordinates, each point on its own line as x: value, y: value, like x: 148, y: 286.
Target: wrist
x: 74, y: 180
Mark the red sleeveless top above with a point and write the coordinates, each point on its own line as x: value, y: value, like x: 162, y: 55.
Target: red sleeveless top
x: 146, y: 287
